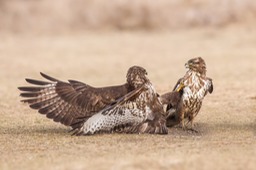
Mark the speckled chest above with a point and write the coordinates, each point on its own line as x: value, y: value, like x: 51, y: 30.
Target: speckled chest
x: 195, y: 89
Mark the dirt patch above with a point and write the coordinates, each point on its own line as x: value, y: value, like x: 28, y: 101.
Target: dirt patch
x: 226, y: 121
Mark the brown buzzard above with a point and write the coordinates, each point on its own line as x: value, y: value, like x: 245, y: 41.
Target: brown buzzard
x: 192, y: 89
x: 172, y: 99
x: 132, y: 107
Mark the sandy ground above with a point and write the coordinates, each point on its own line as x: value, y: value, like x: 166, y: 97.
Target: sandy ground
x: 227, y: 120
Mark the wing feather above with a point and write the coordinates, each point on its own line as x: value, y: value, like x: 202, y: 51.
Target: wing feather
x: 177, y: 84
x: 29, y: 95
x: 64, y: 102
x: 171, y: 98
x: 37, y: 82
x: 49, y: 77
x: 31, y: 89
x: 113, y: 116
x: 211, y: 86
x: 119, y: 117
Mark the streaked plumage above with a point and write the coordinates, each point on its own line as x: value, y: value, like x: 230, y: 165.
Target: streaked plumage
x: 74, y: 103
x: 140, y: 111
x: 195, y: 86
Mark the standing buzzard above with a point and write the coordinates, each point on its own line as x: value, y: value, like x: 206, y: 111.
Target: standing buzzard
x: 132, y: 107
x: 192, y: 89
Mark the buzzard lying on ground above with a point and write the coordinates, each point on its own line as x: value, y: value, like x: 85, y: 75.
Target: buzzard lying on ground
x: 195, y: 85
x: 171, y: 100
x: 132, y: 107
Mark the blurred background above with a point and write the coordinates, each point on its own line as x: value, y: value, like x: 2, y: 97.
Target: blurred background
x: 96, y: 41
x: 88, y: 36
x: 47, y: 16
x: 91, y: 40
x: 66, y: 37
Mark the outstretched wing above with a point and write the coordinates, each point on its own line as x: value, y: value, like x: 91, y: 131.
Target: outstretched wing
x: 65, y: 102
x: 112, y: 116
x: 125, y: 115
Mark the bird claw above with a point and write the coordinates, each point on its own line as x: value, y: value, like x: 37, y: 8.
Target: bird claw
x: 192, y: 130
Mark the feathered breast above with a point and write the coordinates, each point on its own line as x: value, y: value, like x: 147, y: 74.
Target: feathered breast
x: 196, y: 87
x: 130, y: 113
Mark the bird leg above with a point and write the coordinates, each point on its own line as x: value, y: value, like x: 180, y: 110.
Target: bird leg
x: 182, y: 121
x: 191, y: 128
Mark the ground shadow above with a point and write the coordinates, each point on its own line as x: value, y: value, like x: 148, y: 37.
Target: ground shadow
x: 201, y: 128
x: 31, y: 130
x: 205, y: 129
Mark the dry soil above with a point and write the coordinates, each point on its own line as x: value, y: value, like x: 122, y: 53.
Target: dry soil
x: 227, y: 120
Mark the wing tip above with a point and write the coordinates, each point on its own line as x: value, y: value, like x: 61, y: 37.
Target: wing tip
x: 48, y: 77
x: 20, y: 88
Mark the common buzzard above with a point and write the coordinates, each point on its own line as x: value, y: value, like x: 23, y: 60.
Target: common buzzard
x: 192, y: 89
x: 132, y: 107
x: 171, y: 100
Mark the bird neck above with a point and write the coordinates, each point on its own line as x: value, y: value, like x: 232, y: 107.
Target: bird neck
x: 197, y: 73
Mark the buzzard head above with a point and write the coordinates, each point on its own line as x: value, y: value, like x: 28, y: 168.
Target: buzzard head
x: 197, y: 65
x: 136, y: 76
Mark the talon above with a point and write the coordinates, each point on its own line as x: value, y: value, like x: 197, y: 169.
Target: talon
x: 193, y: 130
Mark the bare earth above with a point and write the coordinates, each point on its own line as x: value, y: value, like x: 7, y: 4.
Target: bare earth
x: 227, y: 120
